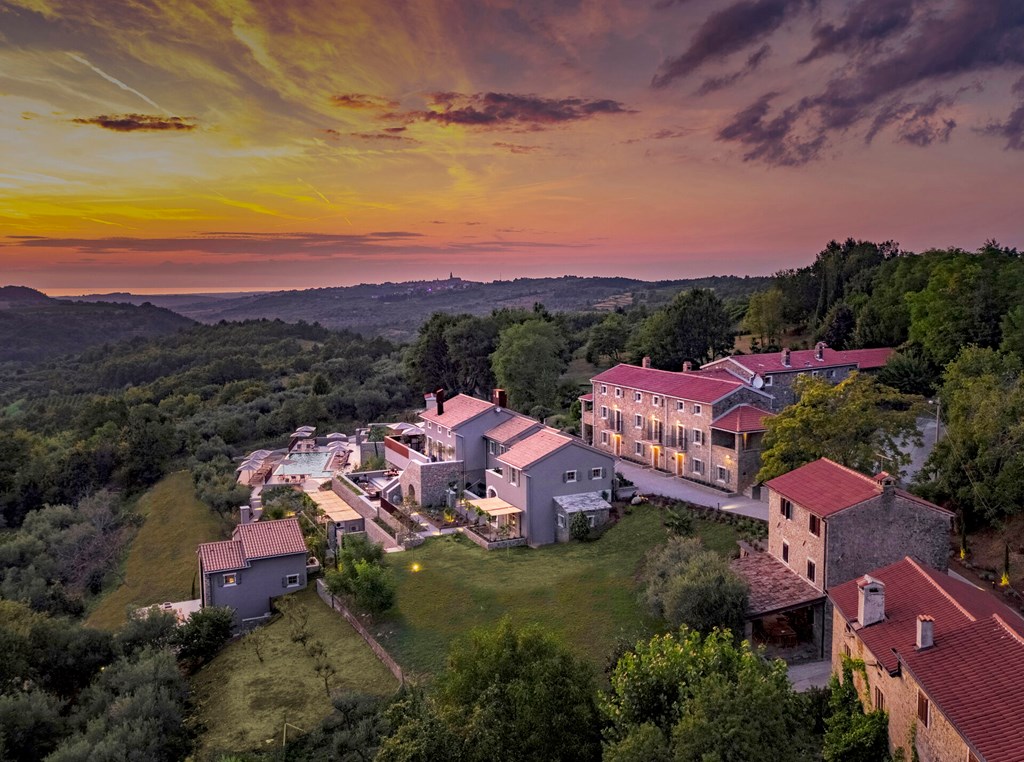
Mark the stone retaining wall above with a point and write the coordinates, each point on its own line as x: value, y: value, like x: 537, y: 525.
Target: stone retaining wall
x: 379, y: 651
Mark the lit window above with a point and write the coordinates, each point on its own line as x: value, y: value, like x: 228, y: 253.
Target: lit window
x: 230, y: 580
x: 570, y: 476
x: 923, y: 709
x: 785, y: 552
x: 786, y: 509
x: 810, y: 570
x: 597, y: 473
x: 292, y: 580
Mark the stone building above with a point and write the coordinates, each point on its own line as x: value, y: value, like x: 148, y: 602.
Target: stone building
x: 706, y: 427
x: 828, y: 524
x: 942, y: 657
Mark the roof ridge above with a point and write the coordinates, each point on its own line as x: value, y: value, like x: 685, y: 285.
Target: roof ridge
x: 692, y: 373
x: 1019, y: 637
x: 942, y: 591
x: 853, y: 471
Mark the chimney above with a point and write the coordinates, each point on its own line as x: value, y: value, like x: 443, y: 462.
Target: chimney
x: 687, y: 366
x: 646, y: 362
x: 870, y: 601
x: 440, y: 401
x: 499, y: 398
x: 244, y: 514
x: 925, y: 631
x: 819, y: 351
x: 785, y: 357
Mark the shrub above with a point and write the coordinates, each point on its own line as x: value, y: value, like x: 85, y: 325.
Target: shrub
x: 204, y: 634
x: 579, y: 527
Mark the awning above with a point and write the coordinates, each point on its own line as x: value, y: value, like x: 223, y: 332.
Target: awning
x: 495, y: 506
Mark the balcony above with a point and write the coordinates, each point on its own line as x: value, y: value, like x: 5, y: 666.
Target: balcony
x: 653, y: 433
x: 612, y: 424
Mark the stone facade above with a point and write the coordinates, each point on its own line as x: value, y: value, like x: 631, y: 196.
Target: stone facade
x: 937, y: 742
x: 791, y: 541
x: 427, y: 483
x: 674, y: 435
x: 780, y: 384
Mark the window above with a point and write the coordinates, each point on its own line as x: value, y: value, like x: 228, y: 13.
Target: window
x: 638, y: 397
x: 767, y: 380
x: 638, y: 448
x: 656, y: 400
x: 618, y: 392
x: 592, y: 520
x: 638, y: 421
x: 604, y: 437
x: 292, y: 580
x: 604, y: 412
x: 597, y: 473
x: 490, y: 447
x: 923, y: 708
x: 680, y: 406
x: 561, y: 521
x: 814, y: 374
x: 830, y: 373
x: 785, y: 552
x: 698, y: 466
x: 722, y: 474
x: 230, y: 580
x: 810, y: 570
x: 879, y: 700
x: 604, y: 389
x: 698, y: 437
x: 814, y: 525
x: 786, y: 509
x: 570, y: 476
x: 846, y: 650
x: 697, y: 409
x: 513, y: 477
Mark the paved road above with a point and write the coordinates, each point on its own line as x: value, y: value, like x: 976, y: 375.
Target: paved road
x: 651, y: 482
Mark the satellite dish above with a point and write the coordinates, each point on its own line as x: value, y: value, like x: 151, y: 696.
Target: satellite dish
x: 757, y: 382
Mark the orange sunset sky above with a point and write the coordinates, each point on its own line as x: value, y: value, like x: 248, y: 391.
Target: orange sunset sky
x: 231, y: 144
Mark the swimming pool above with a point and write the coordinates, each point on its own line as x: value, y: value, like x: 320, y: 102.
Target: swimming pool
x: 312, y: 464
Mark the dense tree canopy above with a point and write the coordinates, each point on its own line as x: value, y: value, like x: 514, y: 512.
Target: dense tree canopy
x: 695, y: 326
x: 528, y: 362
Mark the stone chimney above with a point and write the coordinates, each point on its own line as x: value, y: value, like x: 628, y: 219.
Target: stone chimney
x: 687, y: 366
x: 439, y: 394
x: 244, y: 514
x: 870, y: 601
x: 925, y: 631
x: 819, y: 351
x: 499, y: 398
x: 646, y: 362
x: 785, y: 357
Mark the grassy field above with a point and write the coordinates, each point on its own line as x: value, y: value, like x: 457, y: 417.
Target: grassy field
x: 584, y: 592
x: 161, y: 563
x: 243, y: 702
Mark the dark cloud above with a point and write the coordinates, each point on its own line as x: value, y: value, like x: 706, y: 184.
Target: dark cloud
x: 755, y: 59
x: 140, y: 122
x: 1012, y: 130
x: 972, y: 37
x: 867, y: 24
x: 498, y: 110
x: 362, y: 101
x: 727, y: 31
x: 516, y: 148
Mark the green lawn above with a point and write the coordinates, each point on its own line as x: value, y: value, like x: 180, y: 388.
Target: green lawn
x: 584, y: 592
x: 161, y: 562
x: 243, y: 702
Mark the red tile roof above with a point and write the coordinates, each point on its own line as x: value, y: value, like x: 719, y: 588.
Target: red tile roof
x: 535, y: 447
x: 511, y: 428
x: 221, y: 556
x: 972, y: 672
x: 824, y: 487
x: 457, y: 410
x: 806, y: 359
x: 263, y: 539
x: 774, y: 587
x: 698, y: 387
x: 742, y: 418
x: 588, y: 397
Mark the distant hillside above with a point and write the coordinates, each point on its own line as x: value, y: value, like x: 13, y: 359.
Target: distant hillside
x: 396, y: 310
x: 35, y: 327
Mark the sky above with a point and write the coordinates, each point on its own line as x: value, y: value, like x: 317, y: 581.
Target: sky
x: 208, y: 145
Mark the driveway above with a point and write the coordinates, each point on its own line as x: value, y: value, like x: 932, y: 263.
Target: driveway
x: 651, y: 482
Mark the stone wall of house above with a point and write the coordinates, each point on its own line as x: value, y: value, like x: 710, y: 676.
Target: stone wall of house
x: 563, y: 522
x: 803, y: 546
x: 781, y: 387
x: 938, y: 742
x: 882, y: 531
x: 427, y: 483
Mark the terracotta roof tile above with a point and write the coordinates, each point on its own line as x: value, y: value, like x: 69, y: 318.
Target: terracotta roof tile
x: 774, y: 587
x: 263, y: 539
x: 457, y: 410
x: 539, y: 445
x: 824, y: 487
x: 742, y: 418
x: 588, y: 397
x: 698, y: 387
x: 221, y: 556
x: 806, y: 359
x: 511, y: 428
x: 972, y: 672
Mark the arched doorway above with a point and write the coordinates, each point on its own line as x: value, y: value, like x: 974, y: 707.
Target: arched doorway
x: 491, y: 492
